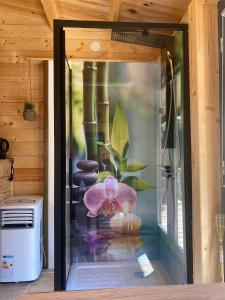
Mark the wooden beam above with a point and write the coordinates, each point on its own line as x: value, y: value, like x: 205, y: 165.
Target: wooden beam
x: 205, y: 131
x: 50, y: 11
x: 115, y: 10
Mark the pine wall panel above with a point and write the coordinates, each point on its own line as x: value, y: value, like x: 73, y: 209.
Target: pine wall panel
x: 205, y: 128
x: 24, y: 34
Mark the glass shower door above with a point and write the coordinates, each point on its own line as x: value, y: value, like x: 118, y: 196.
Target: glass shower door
x: 68, y: 144
x: 114, y: 157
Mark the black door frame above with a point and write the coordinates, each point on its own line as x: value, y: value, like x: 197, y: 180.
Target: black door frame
x: 59, y: 127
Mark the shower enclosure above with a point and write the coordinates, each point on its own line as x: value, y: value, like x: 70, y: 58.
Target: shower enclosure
x: 122, y: 155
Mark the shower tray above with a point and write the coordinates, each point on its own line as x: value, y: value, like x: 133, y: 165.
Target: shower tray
x: 100, y: 275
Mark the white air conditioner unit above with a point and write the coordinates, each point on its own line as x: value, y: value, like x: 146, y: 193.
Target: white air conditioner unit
x: 21, y: 238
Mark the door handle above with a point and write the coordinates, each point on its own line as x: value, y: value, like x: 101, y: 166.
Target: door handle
x: 75, y: 202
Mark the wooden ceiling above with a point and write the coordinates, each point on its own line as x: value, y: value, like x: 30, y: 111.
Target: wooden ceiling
x: 170, y: 11
x: 129, y: 10
x: 165, y: 11
x: 26, y: 26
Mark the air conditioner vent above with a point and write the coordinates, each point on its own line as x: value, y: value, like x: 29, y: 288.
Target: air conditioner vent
x: 16, y: 218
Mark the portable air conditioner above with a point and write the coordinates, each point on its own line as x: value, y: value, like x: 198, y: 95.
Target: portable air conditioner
x: 21, y: 238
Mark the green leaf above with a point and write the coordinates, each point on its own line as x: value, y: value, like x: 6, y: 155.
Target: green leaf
x: 102, y: 176
x: 113, y: 152
x: 28, y: 105
x: 113, y: 168
x: 120, y: 135
x: 123, y: 166
x: 114, y: 156
x: 110, y: 149
x: 138, y: 184
x: 100, y: 143
x: 108, y: 166
x: 125, y: 149
x: 135, y: 167
x: 114, y: 163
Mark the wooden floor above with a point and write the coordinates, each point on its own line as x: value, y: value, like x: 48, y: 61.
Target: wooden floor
x: 12, y: 291
x: 178, y: 292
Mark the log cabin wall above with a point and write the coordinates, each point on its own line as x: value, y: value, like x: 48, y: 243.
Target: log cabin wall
x: 24, y: 33
x: 25, y: 137
x: 205, y: 127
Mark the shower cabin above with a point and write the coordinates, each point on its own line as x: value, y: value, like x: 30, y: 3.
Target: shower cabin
x: 122, y: 155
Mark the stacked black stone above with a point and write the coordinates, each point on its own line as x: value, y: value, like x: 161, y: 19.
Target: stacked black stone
x: 83, y: 180
x: 87, y: 176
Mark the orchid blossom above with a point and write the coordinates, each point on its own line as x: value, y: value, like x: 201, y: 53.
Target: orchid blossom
x: 109, y: 198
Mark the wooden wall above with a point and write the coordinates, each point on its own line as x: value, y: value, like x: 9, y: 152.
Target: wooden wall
x: 24, y: 33
x: 205, y: 127
x: 25, y: 137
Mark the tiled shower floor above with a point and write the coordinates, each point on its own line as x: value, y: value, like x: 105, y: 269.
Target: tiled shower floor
x: 114, y: 275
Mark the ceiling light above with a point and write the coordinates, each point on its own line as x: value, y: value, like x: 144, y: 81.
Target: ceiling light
x: 95, y: 46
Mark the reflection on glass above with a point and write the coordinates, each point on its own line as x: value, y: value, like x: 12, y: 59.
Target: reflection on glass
x: 127, y: 174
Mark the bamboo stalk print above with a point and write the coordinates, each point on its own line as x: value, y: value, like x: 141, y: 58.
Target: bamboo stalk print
x: 89, y: 110
x: 103, y: 107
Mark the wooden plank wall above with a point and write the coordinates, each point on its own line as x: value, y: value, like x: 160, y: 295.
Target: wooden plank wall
x: 24, y: 33
x: 25, y: 137
x: 205, y: 126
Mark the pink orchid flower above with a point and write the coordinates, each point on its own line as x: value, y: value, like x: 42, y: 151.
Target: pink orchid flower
x: 109, y: 198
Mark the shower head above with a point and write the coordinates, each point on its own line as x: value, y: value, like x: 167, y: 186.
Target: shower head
x: 143, y: 37
x: 123, y: 37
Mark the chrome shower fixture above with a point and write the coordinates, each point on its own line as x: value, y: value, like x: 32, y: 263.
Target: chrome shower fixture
x: 142, y: 37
